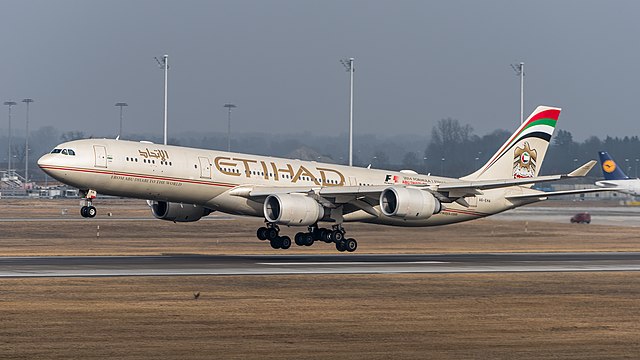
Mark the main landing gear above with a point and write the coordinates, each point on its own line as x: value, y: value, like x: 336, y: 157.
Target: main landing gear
x: 335, y: 235
x: 272, y: 233
x: 88, y: 210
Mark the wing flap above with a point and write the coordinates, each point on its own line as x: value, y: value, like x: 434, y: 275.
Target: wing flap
x: 545, y: 194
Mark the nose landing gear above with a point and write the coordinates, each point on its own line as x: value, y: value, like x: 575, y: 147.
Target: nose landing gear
x: 88, y: 210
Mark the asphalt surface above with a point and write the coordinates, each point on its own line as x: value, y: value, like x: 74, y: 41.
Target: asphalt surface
x: 181, y: 265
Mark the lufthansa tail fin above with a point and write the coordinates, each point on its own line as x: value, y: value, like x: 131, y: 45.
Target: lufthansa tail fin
x: 610, y: 169
x: 522, y: 154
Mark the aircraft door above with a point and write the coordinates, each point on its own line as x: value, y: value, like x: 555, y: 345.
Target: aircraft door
x: 205, y: 168
x: 101, y: 155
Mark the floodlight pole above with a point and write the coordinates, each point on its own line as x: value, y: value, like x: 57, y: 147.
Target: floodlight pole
x: 348, y: 64
x: 164, y: 64
x: 519, y: 69
x: 9, y: 104
x: 121, y: 104
x: 26, y: 142
x: 229, y: 107
x: 165, y: 61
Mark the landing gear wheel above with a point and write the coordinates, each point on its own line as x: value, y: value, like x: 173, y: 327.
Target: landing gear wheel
x: 272, y: 233
x: 92, y: 211
x: 341, y: 245
x: 307, y: 239
x: 326, y: 236
x: 285, y: 242
x: 350, y: 245
x: 298, y: 239
x: 84, y: 211
x: 276, y: 243
x: 337, y: 236
x: 262, y: 233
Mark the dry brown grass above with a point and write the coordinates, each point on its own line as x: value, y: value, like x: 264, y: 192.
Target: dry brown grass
x: 481, y: 316
x: 72, y: 235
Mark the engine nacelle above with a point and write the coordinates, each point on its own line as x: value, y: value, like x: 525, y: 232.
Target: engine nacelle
x: 177, y: 212
x: 292, y: 209
x: 408, y: 203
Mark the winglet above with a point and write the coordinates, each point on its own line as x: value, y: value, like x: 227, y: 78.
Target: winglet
x: 583, y: 170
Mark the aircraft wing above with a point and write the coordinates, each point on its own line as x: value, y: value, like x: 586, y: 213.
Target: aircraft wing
x: 544, y: 194
x: 469, y: 188
x: 445, y: 192
x: 263, y: 191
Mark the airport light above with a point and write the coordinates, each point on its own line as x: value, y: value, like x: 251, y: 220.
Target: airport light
x: 348, y: 64
x: 121, y: 105
x: 164, y: 64
x: 229, y: 106
x: 519, y: 69
x: 9, y: 104
x: 626, y: 162
x: 26, y: 142
x: 442, y: 167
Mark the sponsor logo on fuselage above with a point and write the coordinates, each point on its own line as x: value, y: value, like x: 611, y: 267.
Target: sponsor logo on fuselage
x: 407, y: 180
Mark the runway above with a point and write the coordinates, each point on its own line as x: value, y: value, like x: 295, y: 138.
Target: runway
x: 182, y: 265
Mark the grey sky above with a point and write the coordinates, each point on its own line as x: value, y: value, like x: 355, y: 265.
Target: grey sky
x: 416, y: 62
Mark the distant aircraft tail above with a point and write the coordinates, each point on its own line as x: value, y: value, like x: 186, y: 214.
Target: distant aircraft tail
x: 610, y: 169
x: 521, y: 156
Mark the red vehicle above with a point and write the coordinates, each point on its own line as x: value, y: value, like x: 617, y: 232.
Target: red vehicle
x: 581, y: 218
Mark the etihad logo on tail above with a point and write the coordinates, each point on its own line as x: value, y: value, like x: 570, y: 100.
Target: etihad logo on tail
x: 524, y: 161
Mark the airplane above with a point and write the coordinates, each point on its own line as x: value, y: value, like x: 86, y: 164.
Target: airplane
x: 184, y: 184
x: 614, y: 177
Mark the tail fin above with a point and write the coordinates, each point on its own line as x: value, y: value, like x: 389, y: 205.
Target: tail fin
x: 522, y: 155
x: 610, y: 169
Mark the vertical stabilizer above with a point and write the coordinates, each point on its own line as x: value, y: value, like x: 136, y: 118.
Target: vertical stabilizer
x: 522, y: 154
x: 610, y: 169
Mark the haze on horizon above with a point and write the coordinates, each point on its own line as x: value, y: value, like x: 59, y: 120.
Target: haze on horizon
x: 416, y: 63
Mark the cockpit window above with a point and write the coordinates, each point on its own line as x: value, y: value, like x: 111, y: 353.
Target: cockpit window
x: 63, y: 152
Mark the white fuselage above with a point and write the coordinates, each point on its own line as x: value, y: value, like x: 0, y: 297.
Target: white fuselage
x: 206, y: 177
x: 627, y: 186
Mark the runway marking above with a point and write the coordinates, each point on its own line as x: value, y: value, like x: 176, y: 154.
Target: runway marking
x: 353, y: 263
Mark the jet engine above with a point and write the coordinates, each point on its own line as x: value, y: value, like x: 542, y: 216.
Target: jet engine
x: 408, y: 203
x: 177, y: 212
x: 292, y: 209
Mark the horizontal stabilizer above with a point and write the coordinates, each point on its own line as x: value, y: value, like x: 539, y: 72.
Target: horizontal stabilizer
x: 583, y: 170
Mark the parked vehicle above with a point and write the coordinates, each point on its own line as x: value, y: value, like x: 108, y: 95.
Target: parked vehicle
x: 581, y: 218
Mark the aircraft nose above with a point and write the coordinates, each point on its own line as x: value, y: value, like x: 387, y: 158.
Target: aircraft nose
x: 45, y: 161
